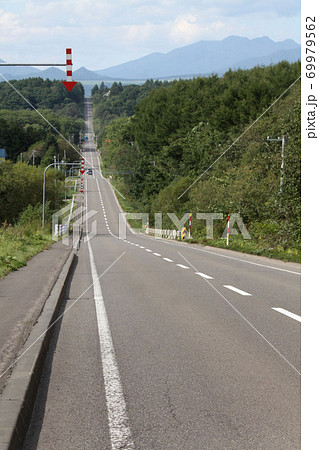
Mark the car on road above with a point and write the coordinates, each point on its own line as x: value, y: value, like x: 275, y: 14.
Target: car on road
x: 89, y: 172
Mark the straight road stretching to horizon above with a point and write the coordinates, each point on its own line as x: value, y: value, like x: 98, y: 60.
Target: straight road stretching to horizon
x: 166, y: 345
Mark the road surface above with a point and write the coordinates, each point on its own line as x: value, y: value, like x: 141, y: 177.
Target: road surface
x: 165, y: 345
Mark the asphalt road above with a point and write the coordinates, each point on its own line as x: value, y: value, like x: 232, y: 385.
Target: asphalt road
x: 165, y: 345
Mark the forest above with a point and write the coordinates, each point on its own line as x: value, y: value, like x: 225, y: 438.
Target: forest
x: 42, y: 94
x: 24, y: 132
x: 35, y: 138
x: 119, y: 100
x: 180, y: 129
x: 32, y: 136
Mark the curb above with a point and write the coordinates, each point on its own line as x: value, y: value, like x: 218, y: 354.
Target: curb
x: 18, y: 397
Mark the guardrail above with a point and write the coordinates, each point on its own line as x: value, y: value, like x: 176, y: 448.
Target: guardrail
x: 64, y: 228
x: 167, y: 234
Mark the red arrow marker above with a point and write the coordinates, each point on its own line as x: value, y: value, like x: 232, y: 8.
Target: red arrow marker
x: 69, y: 85
x: 82, y: 171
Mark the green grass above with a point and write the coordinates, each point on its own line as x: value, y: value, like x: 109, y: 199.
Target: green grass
x: 125, y: 203
x: 25, y: 239
x: 18, y: 245
x: 253, y: 247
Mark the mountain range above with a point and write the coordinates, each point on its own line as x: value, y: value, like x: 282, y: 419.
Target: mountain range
x: 201, y: 58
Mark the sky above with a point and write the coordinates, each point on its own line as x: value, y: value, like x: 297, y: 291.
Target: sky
x: 104, y: 33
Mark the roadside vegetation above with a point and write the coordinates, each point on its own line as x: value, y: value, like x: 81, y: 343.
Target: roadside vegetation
x: 181, y: 128
x: 21, y: 232
x: 24, y: 239
x: 27, y: 137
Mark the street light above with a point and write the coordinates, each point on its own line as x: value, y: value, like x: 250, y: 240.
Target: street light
x: 44, y: 173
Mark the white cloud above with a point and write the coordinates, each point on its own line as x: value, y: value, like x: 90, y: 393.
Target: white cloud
x: 190, y: 28
x: 184, y: 28
x: 8, y: 22
x: 108, y: 32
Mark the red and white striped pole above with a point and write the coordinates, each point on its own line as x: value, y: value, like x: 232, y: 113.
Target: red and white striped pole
x: 69, y: 64
x: 228, y: 229
x: 69, y: 83
x: 82, y: 172
x: 190, y: 225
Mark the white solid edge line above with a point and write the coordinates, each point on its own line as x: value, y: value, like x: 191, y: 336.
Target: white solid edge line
x: 219, y: 255
x: 239, y: 291
x: 204, y: 275
x: 120, y: 433
x: 288, y: 313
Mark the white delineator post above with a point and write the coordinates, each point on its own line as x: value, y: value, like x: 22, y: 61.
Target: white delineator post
x: 148, y: 226
x: 228, y: 229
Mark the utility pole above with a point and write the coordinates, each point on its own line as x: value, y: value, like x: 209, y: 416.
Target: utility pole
x: 283, y: 140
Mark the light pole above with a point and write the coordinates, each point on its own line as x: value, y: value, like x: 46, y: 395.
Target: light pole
x: 43, y: 193
x: 282, y: 169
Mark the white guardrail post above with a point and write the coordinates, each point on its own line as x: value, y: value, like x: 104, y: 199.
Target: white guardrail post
x: 168, y: 234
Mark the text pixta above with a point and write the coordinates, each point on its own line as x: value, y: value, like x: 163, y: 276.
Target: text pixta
x: 311, y: 119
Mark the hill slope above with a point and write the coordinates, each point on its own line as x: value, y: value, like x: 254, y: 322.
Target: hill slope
x: 207, y: 57
x: 181, y: 129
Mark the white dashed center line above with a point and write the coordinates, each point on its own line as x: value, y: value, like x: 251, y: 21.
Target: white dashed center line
x: 288, y: 313
x: 182, y: 266
x: 207, y: 277
x: 239, y: 291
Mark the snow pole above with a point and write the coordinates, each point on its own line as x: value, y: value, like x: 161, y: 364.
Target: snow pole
x: 228, y: 230
x: 190, y: 225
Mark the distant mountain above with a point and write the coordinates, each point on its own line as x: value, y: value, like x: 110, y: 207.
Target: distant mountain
x: 84, y: 74
x: 206, y: 57
x: 201, y: 58
x: 288, y: 55
x: 53, y: 74
x: 17, y: 73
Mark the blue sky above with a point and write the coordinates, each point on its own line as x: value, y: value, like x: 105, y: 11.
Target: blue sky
x: 103, y: 33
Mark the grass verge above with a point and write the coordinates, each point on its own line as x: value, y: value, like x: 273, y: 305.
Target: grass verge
x: 237, y: 243
x: 252, y: 247
x: 18, y: 245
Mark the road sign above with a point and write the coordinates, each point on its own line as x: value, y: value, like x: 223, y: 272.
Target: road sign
x: 69, y: 84
x: 184, y: 232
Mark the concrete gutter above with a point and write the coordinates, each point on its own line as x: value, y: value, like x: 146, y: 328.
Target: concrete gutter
x: 18, y: 397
